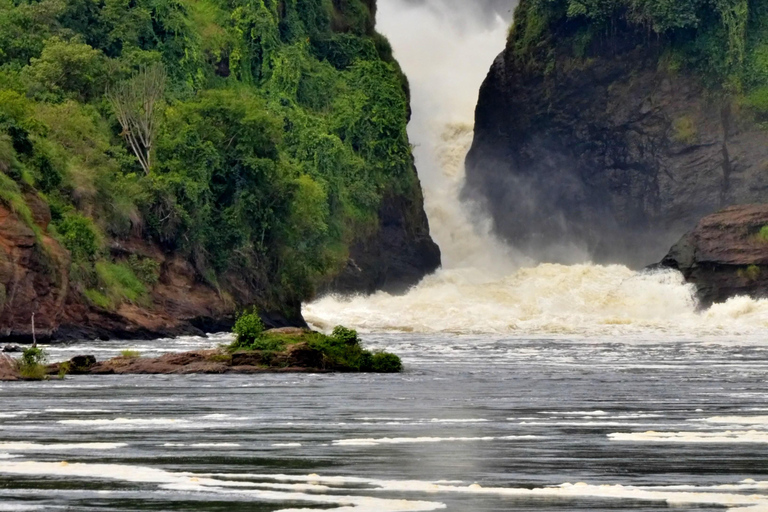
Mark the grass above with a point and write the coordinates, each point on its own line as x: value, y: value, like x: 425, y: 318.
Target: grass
x: 684, y: 130
x: 751, y: 273
x: 64, y: 369
x: 130, y: 354
x: 220, y: 358
x: 10, y: 194
x: 762, y: 235
x: 98, y: 299
x: 117, y: 284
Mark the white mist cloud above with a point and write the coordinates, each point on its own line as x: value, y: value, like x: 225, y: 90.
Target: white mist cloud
x: 446, y: 48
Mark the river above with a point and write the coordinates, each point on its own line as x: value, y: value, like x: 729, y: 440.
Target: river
x: 475, y: 423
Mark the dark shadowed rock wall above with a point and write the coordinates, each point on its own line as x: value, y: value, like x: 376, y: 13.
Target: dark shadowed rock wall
x: 614, y: 156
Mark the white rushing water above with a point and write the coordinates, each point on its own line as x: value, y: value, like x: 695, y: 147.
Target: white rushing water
x: 484, y: 285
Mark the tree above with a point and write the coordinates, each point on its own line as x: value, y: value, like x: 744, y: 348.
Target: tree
x: 135, y: 104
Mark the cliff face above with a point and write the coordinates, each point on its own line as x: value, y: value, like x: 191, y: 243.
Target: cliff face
x: 614, y: 154
x: 725, y: 255
x: 397, y: 256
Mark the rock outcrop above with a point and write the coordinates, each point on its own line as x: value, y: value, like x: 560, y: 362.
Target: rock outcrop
x: 611, y: 157
x: 726, y: 255
x: 34, y: 278
x: 397, y: 256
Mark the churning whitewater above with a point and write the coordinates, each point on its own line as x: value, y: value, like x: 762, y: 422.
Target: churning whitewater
x: 484, y: 285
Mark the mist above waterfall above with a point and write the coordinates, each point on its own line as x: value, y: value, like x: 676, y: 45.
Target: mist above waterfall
x: 445, y: 48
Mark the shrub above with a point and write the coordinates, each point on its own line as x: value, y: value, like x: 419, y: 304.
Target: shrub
x: 384, y: 362
x: 65, y: 68
x: 146, y: 270
x: 130, y: 354
x: 80, y: 236
x: 32, y: 363
x: 248, y: 330
x: 344, y: 335
x: 64, y: 369
x: 762, y: 235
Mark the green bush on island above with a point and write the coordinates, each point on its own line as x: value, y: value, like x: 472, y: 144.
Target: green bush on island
x: 341, y: 350
x: 344, y: 335
x: 130, y: 354
x: 32, y: 363
x: 248, y: 330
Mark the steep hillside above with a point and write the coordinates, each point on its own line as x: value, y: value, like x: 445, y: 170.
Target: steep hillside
x: 609, y: 128
x: 165, y: 163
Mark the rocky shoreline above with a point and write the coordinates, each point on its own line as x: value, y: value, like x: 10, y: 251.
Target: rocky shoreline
x: 286, y: 350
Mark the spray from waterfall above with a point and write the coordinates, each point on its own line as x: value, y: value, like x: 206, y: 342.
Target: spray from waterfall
x: 446, y: 48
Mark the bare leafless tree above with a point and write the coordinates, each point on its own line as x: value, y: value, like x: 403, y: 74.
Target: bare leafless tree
x: 135, y: 104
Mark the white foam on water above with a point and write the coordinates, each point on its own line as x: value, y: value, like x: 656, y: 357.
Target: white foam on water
x: 57, y: 447
x: 750, y: 436
x: 582, y: 300
x: 286, y: 445
x: 419, y: 440
x: 737, y: 420
x: 190, y: 482
x: 672, y: 495
x: 80, y: 411
x: 126, y: 421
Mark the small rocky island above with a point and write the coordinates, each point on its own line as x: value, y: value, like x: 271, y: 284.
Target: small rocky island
x: 726, y: 255
x: 254, y: 350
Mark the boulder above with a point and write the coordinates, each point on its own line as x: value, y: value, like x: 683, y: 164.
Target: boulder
x: 726, y: 255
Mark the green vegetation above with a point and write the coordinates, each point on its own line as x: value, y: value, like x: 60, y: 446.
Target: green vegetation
x: 64, y: 369
x: 255, y: 139
x: 248, y: 331
x: 750, y: 273
x: 684, y: 130
x: 762, y: 235
x: 724, y: 41
x: 339, y: 351
x: 130, y: 354
x: 32, y: 363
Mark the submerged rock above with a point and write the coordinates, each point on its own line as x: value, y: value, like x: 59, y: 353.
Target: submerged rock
x: 726, y: 255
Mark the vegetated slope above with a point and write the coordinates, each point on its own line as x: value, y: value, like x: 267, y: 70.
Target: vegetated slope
x: 166, y: 162
x: 610, y: 127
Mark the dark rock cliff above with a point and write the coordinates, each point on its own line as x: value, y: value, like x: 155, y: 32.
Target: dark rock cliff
x: 725, y: 255
x: 397, y: 256
x: 615, y: 156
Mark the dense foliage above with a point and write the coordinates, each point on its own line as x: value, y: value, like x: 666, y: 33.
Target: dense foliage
x: 278, y: 128
x: 340, y: 351
x: 726, y: 41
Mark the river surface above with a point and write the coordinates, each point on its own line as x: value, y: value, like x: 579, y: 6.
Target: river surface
x: 475, y: 423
